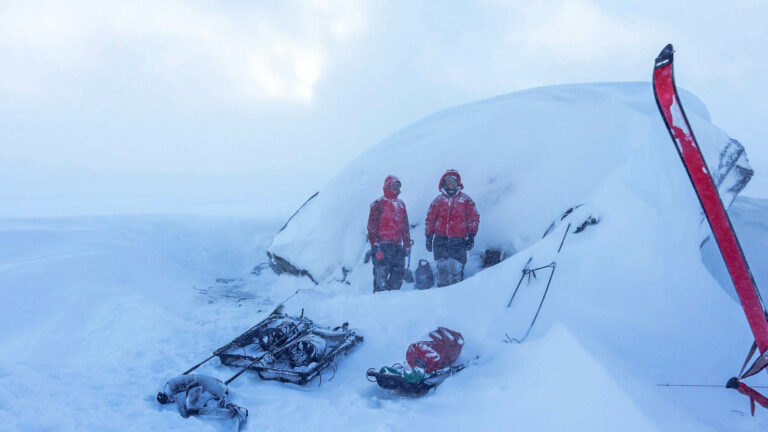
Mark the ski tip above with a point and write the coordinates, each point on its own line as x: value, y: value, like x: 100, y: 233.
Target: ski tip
x: 665, y: 56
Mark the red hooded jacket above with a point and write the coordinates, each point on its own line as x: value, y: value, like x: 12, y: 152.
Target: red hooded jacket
x: 452, y: 216
x: 388, y: 218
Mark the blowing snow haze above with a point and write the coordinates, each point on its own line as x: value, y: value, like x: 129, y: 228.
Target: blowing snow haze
x: 150, y: 153
x: 116, y: 306
x: 109, y: 107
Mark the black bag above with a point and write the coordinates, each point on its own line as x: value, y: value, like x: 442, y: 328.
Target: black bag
x: 491, y: 257
x: 424, y: 277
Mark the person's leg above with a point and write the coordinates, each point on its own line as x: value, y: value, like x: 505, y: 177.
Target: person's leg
x: 440, y: 248
x: 456, y: 253
x: 395, y: 264
x: 396, y: 269
x: 454, y: 271
x: 443, y: 272
x: 380, y: 275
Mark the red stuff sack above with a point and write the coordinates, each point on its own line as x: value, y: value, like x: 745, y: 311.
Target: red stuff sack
x: 440, y: 352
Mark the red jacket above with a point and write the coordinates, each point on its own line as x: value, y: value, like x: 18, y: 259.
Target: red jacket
x: 452, y: 216
x: 388, y: 218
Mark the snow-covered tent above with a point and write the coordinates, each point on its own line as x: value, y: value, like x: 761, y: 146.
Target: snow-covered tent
x: 524, y: 157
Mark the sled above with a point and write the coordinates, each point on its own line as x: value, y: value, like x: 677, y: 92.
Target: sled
x: 429, y: 364
x: 300, y: 360
x: 397, y: 379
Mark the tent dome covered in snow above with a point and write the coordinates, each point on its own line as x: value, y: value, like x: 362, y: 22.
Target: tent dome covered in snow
x: 524, y: 158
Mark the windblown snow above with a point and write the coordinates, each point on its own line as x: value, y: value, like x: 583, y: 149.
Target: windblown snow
x: 99, y: 312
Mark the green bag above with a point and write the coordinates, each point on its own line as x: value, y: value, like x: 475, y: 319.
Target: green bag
x: 414, y: 375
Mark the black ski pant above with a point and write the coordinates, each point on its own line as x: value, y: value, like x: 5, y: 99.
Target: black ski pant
x: 388, y: 272
x: 450, y: 258
x: 450, y: 247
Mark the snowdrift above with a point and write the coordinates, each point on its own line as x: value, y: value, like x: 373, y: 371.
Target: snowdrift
x: 99, y: 313
x: 524, y: 158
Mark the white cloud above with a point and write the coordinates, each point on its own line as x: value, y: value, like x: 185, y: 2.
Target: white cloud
x: 567, y: 31
x: 216, y: 86
x: 237, y: 53
x: 577, y: 30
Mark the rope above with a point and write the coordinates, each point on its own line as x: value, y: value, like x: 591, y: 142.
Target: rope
x: 699, y: 385
x: 530, y: 272
x: 749, y: 356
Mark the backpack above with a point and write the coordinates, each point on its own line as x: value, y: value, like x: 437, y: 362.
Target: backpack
x: 424, y: 278
x: 491, y: 257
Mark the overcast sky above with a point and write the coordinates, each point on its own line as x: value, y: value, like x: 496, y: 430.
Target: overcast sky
x: 278, y: 96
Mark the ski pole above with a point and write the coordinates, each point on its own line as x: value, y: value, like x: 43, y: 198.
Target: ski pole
x: 564, y: 235
x: 519, y: 282
x: 199, y: 364
x: 450, y: 370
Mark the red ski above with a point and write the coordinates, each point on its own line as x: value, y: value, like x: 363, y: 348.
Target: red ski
x: 680, y: 130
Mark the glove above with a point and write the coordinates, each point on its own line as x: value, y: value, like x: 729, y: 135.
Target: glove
x: 376, y: 251
x: 406, y: 252
x: 429, y: 242
x: 470, y: 242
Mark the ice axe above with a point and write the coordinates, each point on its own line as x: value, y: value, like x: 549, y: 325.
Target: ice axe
x: 408, y: 275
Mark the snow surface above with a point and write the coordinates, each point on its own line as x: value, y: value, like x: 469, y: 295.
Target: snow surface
x: 99, y: 312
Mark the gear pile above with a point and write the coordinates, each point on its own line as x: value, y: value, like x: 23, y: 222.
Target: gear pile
x: 281, y: 347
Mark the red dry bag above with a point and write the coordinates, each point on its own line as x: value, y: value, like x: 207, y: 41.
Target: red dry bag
x: 440, y: 352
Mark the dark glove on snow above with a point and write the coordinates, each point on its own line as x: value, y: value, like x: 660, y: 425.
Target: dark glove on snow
x: 470, y: 241
x: 429, y: 242
x: 733, y: 383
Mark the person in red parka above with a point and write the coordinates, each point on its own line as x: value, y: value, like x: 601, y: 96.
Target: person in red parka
x: 390, y: 237
x: 451, y: 227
